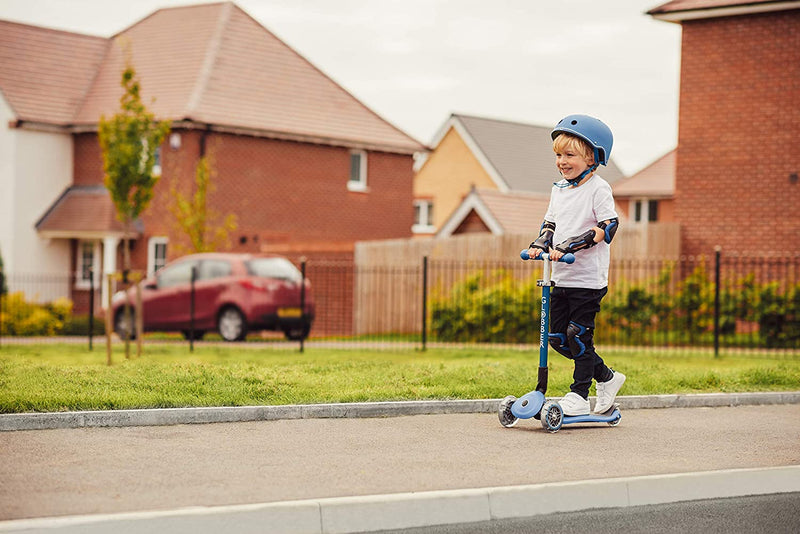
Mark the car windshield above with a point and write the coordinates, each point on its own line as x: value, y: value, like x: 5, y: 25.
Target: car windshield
x: 280, y: 268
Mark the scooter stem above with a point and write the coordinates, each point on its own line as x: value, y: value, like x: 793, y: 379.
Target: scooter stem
x: 544, y: 326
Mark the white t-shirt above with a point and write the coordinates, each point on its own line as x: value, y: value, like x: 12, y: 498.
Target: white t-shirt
x: 575, y: 210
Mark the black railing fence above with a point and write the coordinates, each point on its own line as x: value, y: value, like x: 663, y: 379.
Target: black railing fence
x: 714, y: 303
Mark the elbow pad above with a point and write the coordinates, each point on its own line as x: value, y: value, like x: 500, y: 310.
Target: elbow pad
x: 580, y: 242
x: 545, y: 239
x: 610, y: 228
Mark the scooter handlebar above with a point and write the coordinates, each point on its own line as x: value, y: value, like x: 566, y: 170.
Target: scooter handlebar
x: 566, y: 258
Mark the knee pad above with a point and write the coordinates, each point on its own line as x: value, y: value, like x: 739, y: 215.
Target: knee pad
x: 559, y: 343
x: 577, y: 346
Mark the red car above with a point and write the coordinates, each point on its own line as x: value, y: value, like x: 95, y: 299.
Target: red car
x: 234, y: 294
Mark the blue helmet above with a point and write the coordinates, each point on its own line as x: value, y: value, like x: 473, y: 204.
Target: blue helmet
x: 591, y: 130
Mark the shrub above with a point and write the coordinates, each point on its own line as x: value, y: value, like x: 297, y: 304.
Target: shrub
x: 78, y: 325
x: 23, y: 318
x: 487, y: 308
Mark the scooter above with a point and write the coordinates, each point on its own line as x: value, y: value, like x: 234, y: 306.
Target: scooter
x: 534, y: 404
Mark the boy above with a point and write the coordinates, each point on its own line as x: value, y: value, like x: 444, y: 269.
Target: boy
x: 581, y: 218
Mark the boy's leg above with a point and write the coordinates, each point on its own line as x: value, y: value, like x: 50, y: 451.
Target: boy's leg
x: 585, y: 304
x: 559, y: 320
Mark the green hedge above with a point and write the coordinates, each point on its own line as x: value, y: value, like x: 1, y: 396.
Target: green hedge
x: 495, y: 307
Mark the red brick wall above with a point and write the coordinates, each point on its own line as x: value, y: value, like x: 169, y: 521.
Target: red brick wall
x: 739, y: 134
x: 288, y: 198
x: 285, y: 195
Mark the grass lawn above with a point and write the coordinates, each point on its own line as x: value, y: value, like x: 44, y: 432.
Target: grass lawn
x: 62, y: 377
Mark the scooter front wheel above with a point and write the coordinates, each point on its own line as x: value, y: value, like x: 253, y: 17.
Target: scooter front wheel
x: 507, y: 419
x: 552, y: 416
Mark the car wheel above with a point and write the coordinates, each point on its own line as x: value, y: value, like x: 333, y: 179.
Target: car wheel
x: 198, y: 334
x: 123, y: 324
x: 231, y: 325
x: 297, y: 333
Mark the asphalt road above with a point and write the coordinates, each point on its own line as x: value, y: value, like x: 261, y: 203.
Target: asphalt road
x: 107, y: 470
x: 776, y: 514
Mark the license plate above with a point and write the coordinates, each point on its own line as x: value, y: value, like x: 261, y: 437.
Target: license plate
x: 289, y: 312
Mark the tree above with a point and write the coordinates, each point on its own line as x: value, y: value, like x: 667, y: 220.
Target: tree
x: 206, y: 232
x: 129, y: 141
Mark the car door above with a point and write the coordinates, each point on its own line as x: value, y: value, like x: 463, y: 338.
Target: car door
x: 167, y: 306
x: 214, y: 277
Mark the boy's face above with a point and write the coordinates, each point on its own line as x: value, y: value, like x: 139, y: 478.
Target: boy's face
x: 570, y: 163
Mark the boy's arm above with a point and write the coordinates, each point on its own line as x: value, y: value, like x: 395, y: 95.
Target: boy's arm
x: 545, y: 239
x: 604, y: 231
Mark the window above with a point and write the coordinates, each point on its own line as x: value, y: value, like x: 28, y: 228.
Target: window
x: 210, y: 269
x: 156, y: 254
x: 652, y: 210
x: 358, y: 171
x: 423, y: 217
x: 87, y: 264
x: 644, y: 210
x: 279, y: 268
x: 157, y: 162
x: 174, y: 275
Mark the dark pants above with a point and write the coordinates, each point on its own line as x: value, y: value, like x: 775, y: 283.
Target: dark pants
x: 578, y: 306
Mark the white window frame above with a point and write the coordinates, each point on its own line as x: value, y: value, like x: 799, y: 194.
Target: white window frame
x: 154, y: 263
x: 425, y: 224
x: 361, y: 183
x: 80, y: 282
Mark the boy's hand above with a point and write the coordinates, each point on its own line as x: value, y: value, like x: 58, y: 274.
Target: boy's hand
x: 555, y: 255
x: 534, y: 252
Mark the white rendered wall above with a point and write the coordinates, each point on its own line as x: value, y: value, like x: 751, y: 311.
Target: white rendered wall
x: 43, y: 171
x: 35, y: 168
x: 7, y: 148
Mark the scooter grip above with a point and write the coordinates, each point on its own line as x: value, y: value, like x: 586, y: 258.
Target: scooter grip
x: 566, y: 258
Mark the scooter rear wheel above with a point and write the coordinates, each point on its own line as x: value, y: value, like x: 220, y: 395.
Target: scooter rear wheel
x: 616, y: 421
x: 552, y: 416
x: 507, y: 419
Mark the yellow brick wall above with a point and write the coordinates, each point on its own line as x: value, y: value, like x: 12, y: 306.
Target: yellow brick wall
x: 447, y: 176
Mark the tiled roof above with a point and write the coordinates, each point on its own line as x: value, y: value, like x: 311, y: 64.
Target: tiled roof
x: 521, y: 154
x: 83, y: 210
x: 517, y: 212
x: 655, y: 180
x: 211, y: 64
x: 676, y: 6
x: 44, y: 73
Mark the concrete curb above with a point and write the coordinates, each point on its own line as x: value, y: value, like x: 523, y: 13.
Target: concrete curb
x: 408, y: 510
x: 182, y: 416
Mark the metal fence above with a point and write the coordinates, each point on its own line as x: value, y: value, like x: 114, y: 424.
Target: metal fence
x: 717, y: 303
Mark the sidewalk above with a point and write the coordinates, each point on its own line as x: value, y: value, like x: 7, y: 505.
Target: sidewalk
x: 342, y: 472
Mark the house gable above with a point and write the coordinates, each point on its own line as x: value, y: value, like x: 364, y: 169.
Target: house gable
x: 448, y: 174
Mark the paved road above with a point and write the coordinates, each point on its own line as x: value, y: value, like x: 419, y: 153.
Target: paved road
x: 107, y: 470
x: 776, y: 514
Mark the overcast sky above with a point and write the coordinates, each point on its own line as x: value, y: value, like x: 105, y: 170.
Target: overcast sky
x: 415, y: 62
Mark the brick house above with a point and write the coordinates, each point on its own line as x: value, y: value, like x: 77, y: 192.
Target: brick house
x: 305, y: 167
x: 649, y: 195
x: 738, y: 156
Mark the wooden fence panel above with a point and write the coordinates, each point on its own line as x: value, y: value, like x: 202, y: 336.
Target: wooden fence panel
x: 387, y: 303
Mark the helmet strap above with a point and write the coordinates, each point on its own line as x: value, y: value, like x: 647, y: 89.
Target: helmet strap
x: 575, y: 181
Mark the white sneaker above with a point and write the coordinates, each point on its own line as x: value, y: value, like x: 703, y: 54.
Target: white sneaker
x: 607, y: 392
x: 574, y: 404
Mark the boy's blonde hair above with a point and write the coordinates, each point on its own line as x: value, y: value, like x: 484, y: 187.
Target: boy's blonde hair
x: 564, y: 142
